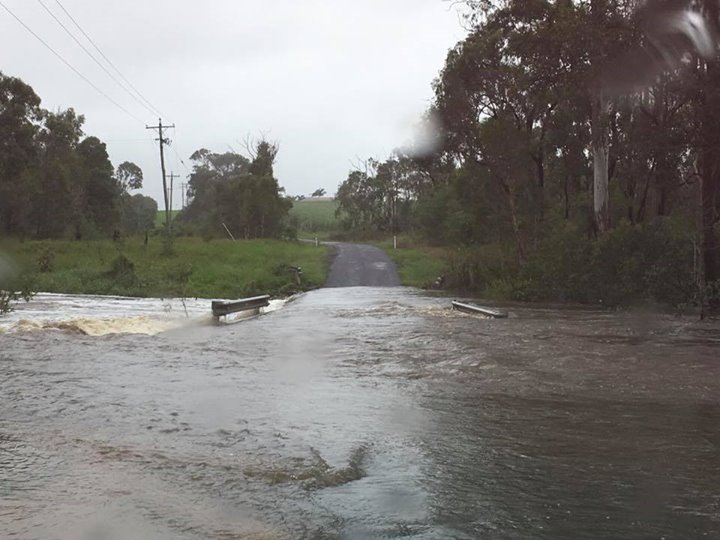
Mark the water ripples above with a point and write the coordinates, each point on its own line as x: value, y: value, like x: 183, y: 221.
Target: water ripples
x: 357, y: 413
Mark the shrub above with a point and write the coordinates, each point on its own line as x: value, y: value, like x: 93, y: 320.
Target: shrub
x: 630, y: 264
x: 477, y: 268
x: 46, y: 261
x: 14, y: 290
x: 560, y: 268
x: 122, y: 270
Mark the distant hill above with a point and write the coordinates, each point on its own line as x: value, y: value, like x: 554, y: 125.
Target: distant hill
x: 318, y: 199
x: 160, y: 218
x: 315, y: 215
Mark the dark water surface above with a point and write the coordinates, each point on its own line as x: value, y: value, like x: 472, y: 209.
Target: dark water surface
x: 365, y: 413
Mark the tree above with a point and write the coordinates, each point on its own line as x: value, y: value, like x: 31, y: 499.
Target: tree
x: 59, y: 196
x: 53, y: 179
x: 507, y: 86
x: 684, y: 34
x: 379, y: 198
x: 139, y: 213
x: 129, y: 176
x: 263, y: 158
x: 320, y: 192
x: 240, y: 193
x: 20, y: 116
x: 101, y: 204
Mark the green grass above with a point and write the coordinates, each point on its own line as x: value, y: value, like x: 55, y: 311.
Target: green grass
x: 418, y: 266
x: 219, y: 268
x: 160, y: 218
x: 315, y: 217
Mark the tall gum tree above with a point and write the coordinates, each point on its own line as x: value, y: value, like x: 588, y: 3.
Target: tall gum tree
x: 600, y: 123
x: 19, y: 123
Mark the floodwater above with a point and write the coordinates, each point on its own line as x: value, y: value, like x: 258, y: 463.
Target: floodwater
x: 356, y: 413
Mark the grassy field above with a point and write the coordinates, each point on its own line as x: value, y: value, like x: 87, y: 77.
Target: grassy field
x: 315, y: 217
x: 215, y: 269
x: 418, y: 266
x: 160, y: 218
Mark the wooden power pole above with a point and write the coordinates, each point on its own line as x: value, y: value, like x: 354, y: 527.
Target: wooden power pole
x: 163, y: 141
x: 173, y: 176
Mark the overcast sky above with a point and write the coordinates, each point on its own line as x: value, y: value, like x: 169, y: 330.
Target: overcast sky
x: 333, y: 81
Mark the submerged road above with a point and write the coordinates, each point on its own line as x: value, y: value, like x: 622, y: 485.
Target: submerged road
x: 359, y: 265
x: 356, y: 413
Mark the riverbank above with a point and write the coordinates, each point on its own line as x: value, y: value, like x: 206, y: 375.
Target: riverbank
x: 658, y: 277
x: 196, y: 268
x: 418, y: 265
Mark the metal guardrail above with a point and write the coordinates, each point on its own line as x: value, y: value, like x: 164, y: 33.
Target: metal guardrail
x: 478, y: 310
x: 221, y: 308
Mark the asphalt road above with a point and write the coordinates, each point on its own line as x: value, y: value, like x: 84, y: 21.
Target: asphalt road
x: 359, y: 265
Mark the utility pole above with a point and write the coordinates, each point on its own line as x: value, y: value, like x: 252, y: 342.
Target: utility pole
x: 183, y: 187
x: 163, y: 141
x: 173, y: 176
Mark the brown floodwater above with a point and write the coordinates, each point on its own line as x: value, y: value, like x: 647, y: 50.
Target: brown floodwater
x: 356, y: 413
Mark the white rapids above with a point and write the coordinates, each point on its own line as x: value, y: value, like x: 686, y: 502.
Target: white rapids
x: 105, y: 315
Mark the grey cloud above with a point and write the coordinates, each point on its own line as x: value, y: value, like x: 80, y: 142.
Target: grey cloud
x: 330, y: 80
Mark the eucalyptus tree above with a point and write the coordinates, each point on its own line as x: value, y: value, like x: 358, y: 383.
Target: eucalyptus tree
x: 682, y: 38
x: 129, y: 176
x: 230, y: 190
x: 502, y: 94
x: 20, y: 117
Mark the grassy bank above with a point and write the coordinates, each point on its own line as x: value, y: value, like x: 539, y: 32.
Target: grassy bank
x: 418, y: 265
x: 215, y: 269
x: 649, y: 264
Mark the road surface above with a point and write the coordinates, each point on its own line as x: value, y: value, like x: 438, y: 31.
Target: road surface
x: 359, y: 265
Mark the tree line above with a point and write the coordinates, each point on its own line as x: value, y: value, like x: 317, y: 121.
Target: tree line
x: 57, y: 182
x: 554, y: 167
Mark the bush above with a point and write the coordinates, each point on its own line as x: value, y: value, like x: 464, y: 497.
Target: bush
x: 650, y: 262
x: 122, y: 270
x: 630, y: 264
x: 13, y: 290
x: 479, y: 268
x: 560, y: 269
x: 46, y: 261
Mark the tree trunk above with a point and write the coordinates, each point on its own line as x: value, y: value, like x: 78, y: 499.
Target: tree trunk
x: 515, y: 221
x: 710, y: 190
x: 601, y: 152
x: 710, y: 183
x: 539, y: 160
x: 600, y: 122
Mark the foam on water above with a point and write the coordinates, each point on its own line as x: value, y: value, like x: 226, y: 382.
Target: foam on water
x: 105, y: 315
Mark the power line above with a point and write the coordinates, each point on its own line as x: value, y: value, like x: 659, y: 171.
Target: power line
x: 69, y: 65
x: 76, y: 40
x: 180, y: 159
x: 176, y: 152
x: 155, y: 109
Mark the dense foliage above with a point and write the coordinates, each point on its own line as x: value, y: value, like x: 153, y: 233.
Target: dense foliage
x: 229, y: 192
x: 549, y: 182
x: 54, y: 180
